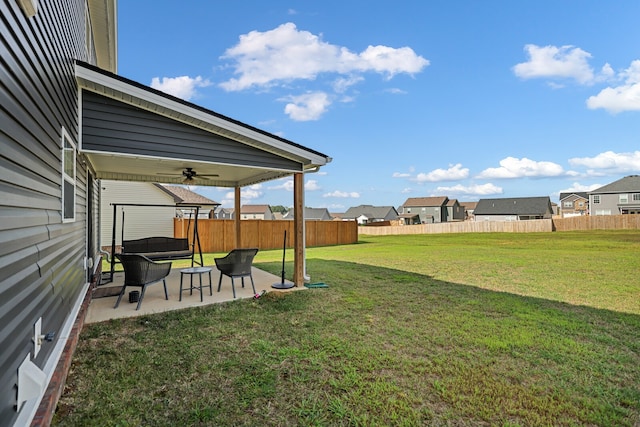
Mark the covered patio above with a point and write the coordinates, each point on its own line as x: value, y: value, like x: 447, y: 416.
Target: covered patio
x: 131, y: 132
x: 101, y: 307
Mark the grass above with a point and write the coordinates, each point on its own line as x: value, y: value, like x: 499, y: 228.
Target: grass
x: 465, y: 330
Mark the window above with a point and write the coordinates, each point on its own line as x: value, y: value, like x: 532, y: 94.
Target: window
x: 567, y: 204
x: 623, y: 198
x: 68, y: 178
x: 596, y: 198
x: 581, y: 204
x: 635, y: 197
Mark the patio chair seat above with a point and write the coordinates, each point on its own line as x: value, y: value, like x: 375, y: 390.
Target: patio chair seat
x: 237, y: 263
x: 140, y: 271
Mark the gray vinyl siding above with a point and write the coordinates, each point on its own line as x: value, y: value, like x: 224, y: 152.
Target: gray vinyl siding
x: 41, y: 258
x: 608, y: 203
x: 109, y: 125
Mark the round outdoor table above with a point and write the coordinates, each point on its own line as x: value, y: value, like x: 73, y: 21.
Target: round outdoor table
x: 199, y: 271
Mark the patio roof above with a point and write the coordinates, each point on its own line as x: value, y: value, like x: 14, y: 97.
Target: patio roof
x: 132, y: 132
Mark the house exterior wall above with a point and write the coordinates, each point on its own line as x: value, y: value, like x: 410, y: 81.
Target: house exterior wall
x: 455, y: 212
x: 42, y: 257
x: 139, y: 221
x: 607, y: 204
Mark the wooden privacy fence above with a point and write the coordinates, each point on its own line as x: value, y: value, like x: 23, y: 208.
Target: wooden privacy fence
x: 597, y: 222
x: 535, y: 225
x: 600, y: 222
x: 218, y: 235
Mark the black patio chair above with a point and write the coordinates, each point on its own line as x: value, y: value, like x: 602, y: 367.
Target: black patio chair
x: 237, y: 263
x: 140, y: 271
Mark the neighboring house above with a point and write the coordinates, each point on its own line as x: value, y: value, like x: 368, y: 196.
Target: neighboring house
x: 410, y: 219
x: 455, y: 211
x: 513, y: 209
x: 469, y: 208
x: 573, y: 204
x: 59, y: 82
x: 619, y: 197
x: 145, y: 221
x: 185, y: 197
x: 318, y: 214
x: 430, y: 209
x: 256, y: 212
x: 366, y: 214
x: 338, y: 216
x: 223, y: 213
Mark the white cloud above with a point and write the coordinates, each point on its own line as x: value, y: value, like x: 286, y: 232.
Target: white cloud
x: 285, y: 54
x: 625, y: 97
x: 477, y: 190
x: 579, y: 188
x: 396, y: 91
x: 312, y: 185
x: 454, y: 173
x: 610, y: 161
x: 183, y: 87
x: 341, y: 84
x: 616, y: 99
x: 401, y: 175
x: 518, y: 168
x: 247, y: 195
x: 556, y: 62
x: 569, y: 62
x: 310, y: 106
x: 342, y: 194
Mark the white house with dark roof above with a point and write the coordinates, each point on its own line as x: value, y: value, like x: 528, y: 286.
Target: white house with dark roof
x: 513, y: 209
x: 619, y: 197
x: 256, y: 212
x: 366, y: 214
x: 317, y: 214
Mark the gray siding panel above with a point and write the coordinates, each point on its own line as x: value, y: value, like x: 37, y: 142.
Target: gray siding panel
x: 112, y: 126
x: 41, y: 258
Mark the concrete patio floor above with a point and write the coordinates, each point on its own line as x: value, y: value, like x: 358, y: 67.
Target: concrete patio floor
x: 101, y: 309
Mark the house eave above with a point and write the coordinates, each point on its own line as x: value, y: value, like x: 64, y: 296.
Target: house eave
x: 98, y: 81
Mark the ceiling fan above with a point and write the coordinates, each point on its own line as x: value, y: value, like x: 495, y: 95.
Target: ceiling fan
x: 189, y: 175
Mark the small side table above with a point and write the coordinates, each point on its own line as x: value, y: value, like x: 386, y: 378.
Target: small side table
x: 199, y: 271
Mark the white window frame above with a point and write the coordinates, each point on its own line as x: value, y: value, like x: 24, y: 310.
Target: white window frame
x: 635, y: 197
x: 623, y: 198
x: 596, y: 198
x: 68, y: 147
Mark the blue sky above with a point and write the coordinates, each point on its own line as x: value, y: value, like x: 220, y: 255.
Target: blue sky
x: 465, y: 99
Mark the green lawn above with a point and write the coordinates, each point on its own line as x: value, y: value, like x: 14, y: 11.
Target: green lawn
x: 468, y: 329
